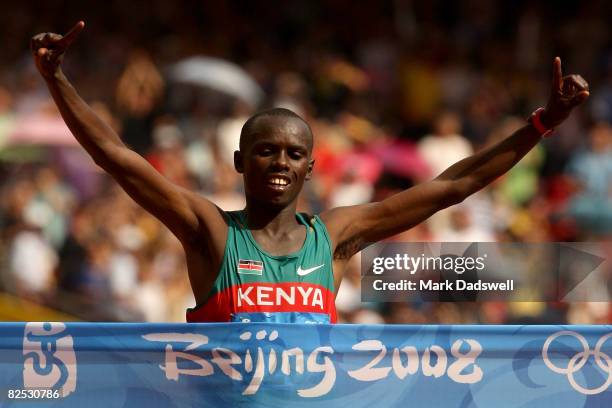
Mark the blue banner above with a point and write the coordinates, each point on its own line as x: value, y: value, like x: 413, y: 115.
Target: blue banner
x: 271, y: 365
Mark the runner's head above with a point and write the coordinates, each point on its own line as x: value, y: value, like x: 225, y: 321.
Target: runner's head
x: 275, y: 156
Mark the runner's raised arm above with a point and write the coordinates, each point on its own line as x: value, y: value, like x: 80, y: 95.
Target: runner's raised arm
x: 352, y: 227
x: 188, y: 215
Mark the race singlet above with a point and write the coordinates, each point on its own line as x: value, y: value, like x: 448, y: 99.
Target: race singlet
x: 254, y: 286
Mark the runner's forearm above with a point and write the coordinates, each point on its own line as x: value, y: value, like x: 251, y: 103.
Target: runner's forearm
x: 90, y: 131
x: 482, y: 168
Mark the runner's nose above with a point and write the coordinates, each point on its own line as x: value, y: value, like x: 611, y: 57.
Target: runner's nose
x: 281, y: 161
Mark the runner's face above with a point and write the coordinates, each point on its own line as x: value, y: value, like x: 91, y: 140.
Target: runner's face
x: 276, y: 160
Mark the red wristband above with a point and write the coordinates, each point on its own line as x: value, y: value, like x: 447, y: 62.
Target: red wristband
x: 536, y: 122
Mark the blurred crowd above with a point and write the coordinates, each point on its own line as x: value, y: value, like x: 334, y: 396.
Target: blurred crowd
x: 395, y: 92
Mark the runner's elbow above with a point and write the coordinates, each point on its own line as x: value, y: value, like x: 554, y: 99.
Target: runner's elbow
x: 462, y: 189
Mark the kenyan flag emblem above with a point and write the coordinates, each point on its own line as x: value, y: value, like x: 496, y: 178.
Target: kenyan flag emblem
x: 250, y: 267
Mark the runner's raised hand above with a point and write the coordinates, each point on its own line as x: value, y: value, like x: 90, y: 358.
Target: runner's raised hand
x: 48, y: 49
x: 566, y: 93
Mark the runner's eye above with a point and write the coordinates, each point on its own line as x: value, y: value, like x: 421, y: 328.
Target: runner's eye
x: 296, y: 154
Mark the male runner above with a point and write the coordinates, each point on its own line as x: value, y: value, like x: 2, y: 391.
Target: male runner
x: 267, y: 263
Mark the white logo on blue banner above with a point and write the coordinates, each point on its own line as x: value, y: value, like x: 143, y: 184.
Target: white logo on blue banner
x: 579, y: 359
x: 49, y: 358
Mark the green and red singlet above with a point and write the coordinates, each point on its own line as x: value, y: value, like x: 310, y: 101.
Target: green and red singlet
x: 254, y: 286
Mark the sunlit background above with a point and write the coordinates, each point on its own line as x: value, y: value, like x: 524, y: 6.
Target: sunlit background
x: 395, y: 92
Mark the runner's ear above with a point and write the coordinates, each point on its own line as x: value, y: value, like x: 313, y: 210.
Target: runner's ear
x: 238, y: 165
x: 310, y: 167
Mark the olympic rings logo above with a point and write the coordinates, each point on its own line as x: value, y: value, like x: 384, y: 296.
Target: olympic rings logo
x: 578, y: 361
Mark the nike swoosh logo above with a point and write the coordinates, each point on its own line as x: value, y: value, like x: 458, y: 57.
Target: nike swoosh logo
x: 304, y: 272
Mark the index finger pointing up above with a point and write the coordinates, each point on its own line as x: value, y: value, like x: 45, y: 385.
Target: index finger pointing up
x: 71, y: 35
x: 557, y: 81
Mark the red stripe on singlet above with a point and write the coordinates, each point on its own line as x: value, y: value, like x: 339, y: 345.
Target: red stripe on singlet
x: 265, y: 297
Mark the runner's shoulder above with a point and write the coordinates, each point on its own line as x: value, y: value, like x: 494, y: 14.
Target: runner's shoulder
x: 340, y: 217
x: 212, y: 220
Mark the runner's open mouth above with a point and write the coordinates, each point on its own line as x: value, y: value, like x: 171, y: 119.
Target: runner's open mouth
x: 279, y: 181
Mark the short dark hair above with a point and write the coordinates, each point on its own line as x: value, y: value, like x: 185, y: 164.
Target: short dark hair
x: 249, y: 125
